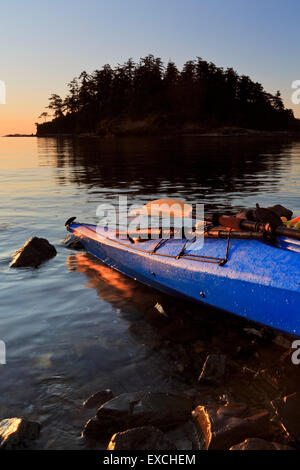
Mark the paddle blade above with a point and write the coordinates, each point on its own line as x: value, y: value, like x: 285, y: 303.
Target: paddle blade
x: 165, y: 207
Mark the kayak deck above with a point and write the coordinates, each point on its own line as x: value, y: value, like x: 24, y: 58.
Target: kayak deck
x: 259, y: 281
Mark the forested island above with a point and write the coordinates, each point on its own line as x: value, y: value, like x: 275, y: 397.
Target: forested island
x: 149, y: 97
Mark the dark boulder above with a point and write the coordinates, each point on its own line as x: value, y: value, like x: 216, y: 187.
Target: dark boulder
x: 131, y: 410
x: 73, y: 243
x: 213, y: 370
x: 288, y: 410
x: 143, y: 438
x: 16, y: 432
x: 221, y: 427
x: 93, y: 429
x: 33, y: 253
x: 137, y: 409
x: 260, y: 444
x: 98, y: 399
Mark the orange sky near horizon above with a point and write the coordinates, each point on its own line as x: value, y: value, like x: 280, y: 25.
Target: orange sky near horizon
x: 23, y: 107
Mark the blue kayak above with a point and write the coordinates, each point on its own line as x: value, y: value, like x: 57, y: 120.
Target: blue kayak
x: 250, y: 278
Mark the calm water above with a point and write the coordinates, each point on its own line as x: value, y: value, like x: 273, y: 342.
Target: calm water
x: 74, y: 326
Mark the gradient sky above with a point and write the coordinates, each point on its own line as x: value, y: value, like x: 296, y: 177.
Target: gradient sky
x: 44, y: 43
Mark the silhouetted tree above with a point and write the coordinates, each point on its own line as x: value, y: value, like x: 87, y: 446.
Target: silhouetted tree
x: 56, y: 105
x: 44, y: 115
x: 201, y: 92
x: 71, y: 101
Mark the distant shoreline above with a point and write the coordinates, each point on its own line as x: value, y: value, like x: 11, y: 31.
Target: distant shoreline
x: 219, y: 132
x: 20, y: 135
x: 185, y: 132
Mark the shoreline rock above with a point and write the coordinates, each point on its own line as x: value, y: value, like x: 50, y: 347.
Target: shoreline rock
x: 131, y: 410
x: 73, y: 243
x: 33, y: 253
x: 221, y: 427
x: 16, y: 432
x: 98, y: 398
x: 142, y: 438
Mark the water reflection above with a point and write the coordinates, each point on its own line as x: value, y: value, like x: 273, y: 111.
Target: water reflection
x: 207, y: 170
x: 181, y: 322
x: 128, y: 296
x: 99, y: 275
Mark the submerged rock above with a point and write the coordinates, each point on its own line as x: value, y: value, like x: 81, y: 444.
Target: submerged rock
x: 142, y: 438
x: 185, y: 436
x: 98, y: 399
x: 16, y: 432
x: 288, y: 410
x: 246, y: 351
x: 259, y: 444
x: 155, y: 408
x: 282, y: 341
x: 73, y: 243
x: 224, y: 426
x: 33, y: 253
x: 254, y: 332
x: 213, y: 370
x: 131, y: 410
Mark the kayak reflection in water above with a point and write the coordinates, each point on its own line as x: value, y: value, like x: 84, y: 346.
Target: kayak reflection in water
x: 117, y: 289
x: 176, y: 320
x: 100, y: 275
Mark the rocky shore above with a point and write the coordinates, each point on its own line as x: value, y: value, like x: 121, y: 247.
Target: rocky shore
x: 18, y: 433
x: 165, y: 421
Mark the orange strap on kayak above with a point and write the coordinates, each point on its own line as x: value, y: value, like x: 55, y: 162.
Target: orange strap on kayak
x: 294, y: 223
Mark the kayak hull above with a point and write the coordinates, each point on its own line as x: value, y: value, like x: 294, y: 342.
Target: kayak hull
x: 259, y: 282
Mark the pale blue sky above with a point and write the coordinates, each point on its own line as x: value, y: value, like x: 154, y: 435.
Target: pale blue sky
x: 44, y: 43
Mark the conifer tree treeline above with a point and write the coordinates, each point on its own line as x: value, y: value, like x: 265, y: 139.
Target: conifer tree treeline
x: 201, y: 92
